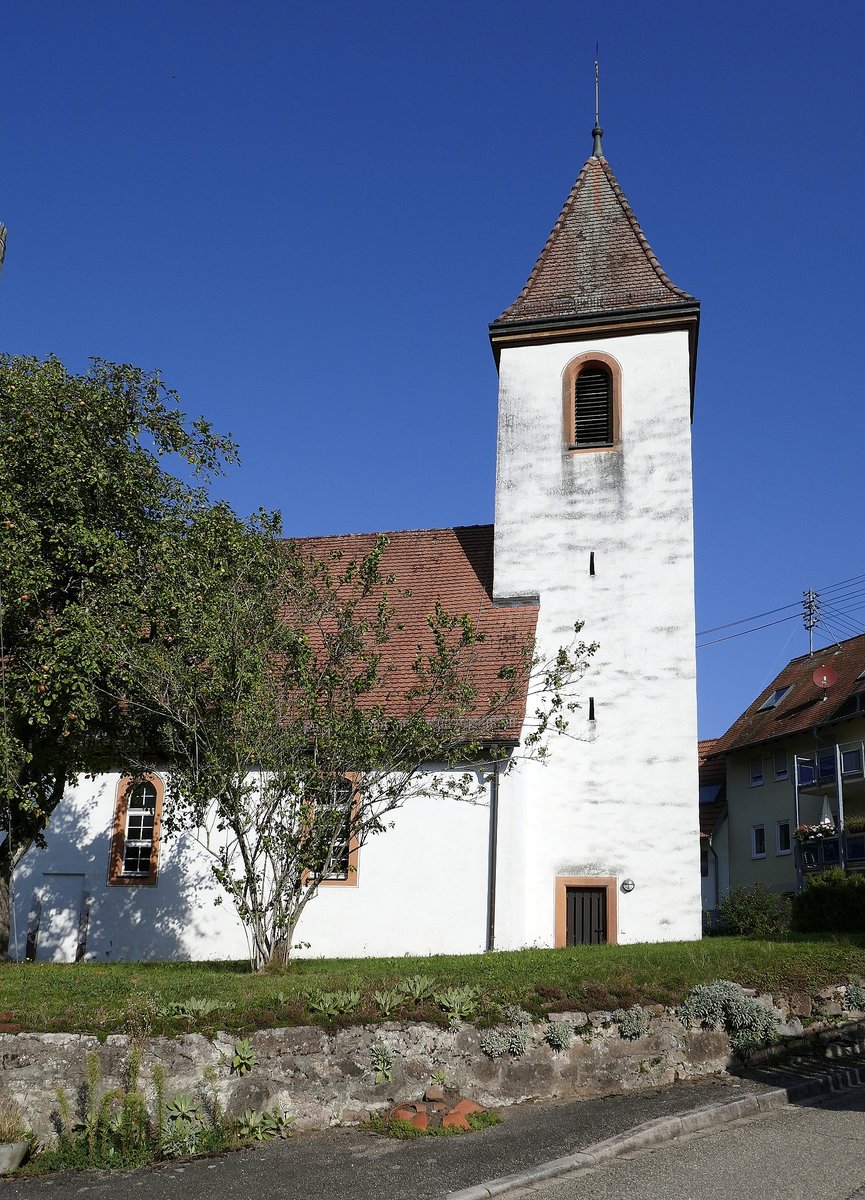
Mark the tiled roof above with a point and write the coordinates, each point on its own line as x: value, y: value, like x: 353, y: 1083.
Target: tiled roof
x: 596, y: 259
x: 804, y: 706
x: 713, y: 782
x: 454, y: 567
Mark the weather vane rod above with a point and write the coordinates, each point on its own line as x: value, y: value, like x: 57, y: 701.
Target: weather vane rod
x: 597, y: 132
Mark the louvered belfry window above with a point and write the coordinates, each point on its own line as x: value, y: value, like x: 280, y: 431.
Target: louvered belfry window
x: 593, y: 407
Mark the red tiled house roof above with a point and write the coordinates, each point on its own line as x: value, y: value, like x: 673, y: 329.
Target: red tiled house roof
x: 455, y: 568
x: 596, y: 260
x: 803, y: 707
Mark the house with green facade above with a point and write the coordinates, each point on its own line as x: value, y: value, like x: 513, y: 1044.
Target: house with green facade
x: 795, y: 774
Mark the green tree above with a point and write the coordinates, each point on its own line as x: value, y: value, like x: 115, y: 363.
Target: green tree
x: 89, y: 518
x: 287, y: 737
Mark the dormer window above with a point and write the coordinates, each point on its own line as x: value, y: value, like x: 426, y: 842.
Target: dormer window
x: 591, y: 403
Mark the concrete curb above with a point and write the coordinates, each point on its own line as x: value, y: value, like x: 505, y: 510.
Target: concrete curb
x: 665, y: 1129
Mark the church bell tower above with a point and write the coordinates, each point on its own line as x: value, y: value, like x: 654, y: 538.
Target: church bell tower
x: 594, y: 516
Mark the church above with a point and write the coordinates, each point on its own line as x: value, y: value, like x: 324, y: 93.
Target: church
x: 596, y: 363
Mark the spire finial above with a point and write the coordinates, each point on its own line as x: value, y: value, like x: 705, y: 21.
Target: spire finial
x: 597, y: 132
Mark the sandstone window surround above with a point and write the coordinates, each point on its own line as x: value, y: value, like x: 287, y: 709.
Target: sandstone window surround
x: 134, y: 854
x: 592, y: 403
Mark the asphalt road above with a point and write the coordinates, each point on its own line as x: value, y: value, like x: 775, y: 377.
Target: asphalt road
x: 801, y: 1152
x: 340, y: 1161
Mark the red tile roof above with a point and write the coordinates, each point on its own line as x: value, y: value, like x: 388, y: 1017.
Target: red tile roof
x: 804, y: 706
x: 454, y: 567
x: 596, y: 259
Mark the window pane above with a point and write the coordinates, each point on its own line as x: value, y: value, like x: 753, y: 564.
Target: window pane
x: 136, y: 860
x: 831, y: 852
x: 756, y: 769
x: 826, y: 764
x: 758, y: 840
x: 142, y: 796
x: 807, y: 773
x: 783, y: 837
x: 856, y: 846
x: 851, y: 762
x: 780, y: 764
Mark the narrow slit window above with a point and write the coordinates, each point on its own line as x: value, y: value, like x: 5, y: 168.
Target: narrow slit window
x: 593, y: 407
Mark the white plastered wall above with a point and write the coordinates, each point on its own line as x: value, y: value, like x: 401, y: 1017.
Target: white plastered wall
x: 619, y: 796
x: 421, y: 887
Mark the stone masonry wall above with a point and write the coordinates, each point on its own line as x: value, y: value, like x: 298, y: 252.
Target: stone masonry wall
x: 322, y: 1079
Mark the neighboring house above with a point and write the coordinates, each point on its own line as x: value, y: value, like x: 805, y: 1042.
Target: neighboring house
x: 714, y: 859
x: 593, y: 522
x: 795, y: 760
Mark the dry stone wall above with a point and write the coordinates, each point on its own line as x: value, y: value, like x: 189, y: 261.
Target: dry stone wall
x: 323, y: 1078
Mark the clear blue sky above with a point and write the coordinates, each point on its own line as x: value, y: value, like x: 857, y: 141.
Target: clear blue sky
x: 305, y: 216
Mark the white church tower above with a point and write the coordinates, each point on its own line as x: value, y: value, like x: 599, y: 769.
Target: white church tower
x: 594, y: 516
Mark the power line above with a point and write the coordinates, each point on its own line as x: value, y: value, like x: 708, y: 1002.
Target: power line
x: 830, y: 589
x: 742, y: 633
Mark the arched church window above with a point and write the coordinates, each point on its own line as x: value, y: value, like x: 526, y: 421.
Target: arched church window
x: 591, y: 403
x: 135, y: 841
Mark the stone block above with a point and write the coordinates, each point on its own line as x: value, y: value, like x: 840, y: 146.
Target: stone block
x: 801, y: 1004
x: 599, y: 1018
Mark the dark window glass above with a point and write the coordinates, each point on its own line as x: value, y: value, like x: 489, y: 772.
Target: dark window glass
x: 856, y: 846
x: 831, y: 852
x: 851, y: 762
x: 826, y: 764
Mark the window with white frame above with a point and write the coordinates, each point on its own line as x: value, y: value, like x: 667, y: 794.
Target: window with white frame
x: 758, y: 841
x: 756, y: 770
x: 783, y: 843
x: 339, y: 843
x: 779, y: 759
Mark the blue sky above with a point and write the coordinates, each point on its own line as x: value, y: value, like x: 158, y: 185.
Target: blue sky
x: 306, y: 216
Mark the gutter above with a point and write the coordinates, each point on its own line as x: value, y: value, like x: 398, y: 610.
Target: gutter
x: 492, y: 859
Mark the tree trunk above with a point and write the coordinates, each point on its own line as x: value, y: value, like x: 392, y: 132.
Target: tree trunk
x: 280, y: 955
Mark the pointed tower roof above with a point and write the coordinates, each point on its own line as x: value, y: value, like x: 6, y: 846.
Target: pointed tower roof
x: 596, y: 262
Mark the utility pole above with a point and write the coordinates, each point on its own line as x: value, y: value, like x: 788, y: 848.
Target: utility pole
x: 810, y: 615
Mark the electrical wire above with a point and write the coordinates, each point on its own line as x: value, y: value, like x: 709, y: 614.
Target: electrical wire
x: 836, y: 591
x: 730, y: 636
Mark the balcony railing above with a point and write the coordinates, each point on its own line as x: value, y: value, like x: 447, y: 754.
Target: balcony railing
x: 822, y: 769
x: 821, y: 854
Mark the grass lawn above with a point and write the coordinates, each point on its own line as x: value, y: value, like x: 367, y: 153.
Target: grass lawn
x: 136, y: 997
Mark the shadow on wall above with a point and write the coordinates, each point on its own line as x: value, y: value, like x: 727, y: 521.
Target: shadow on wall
x: 66, y: 911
